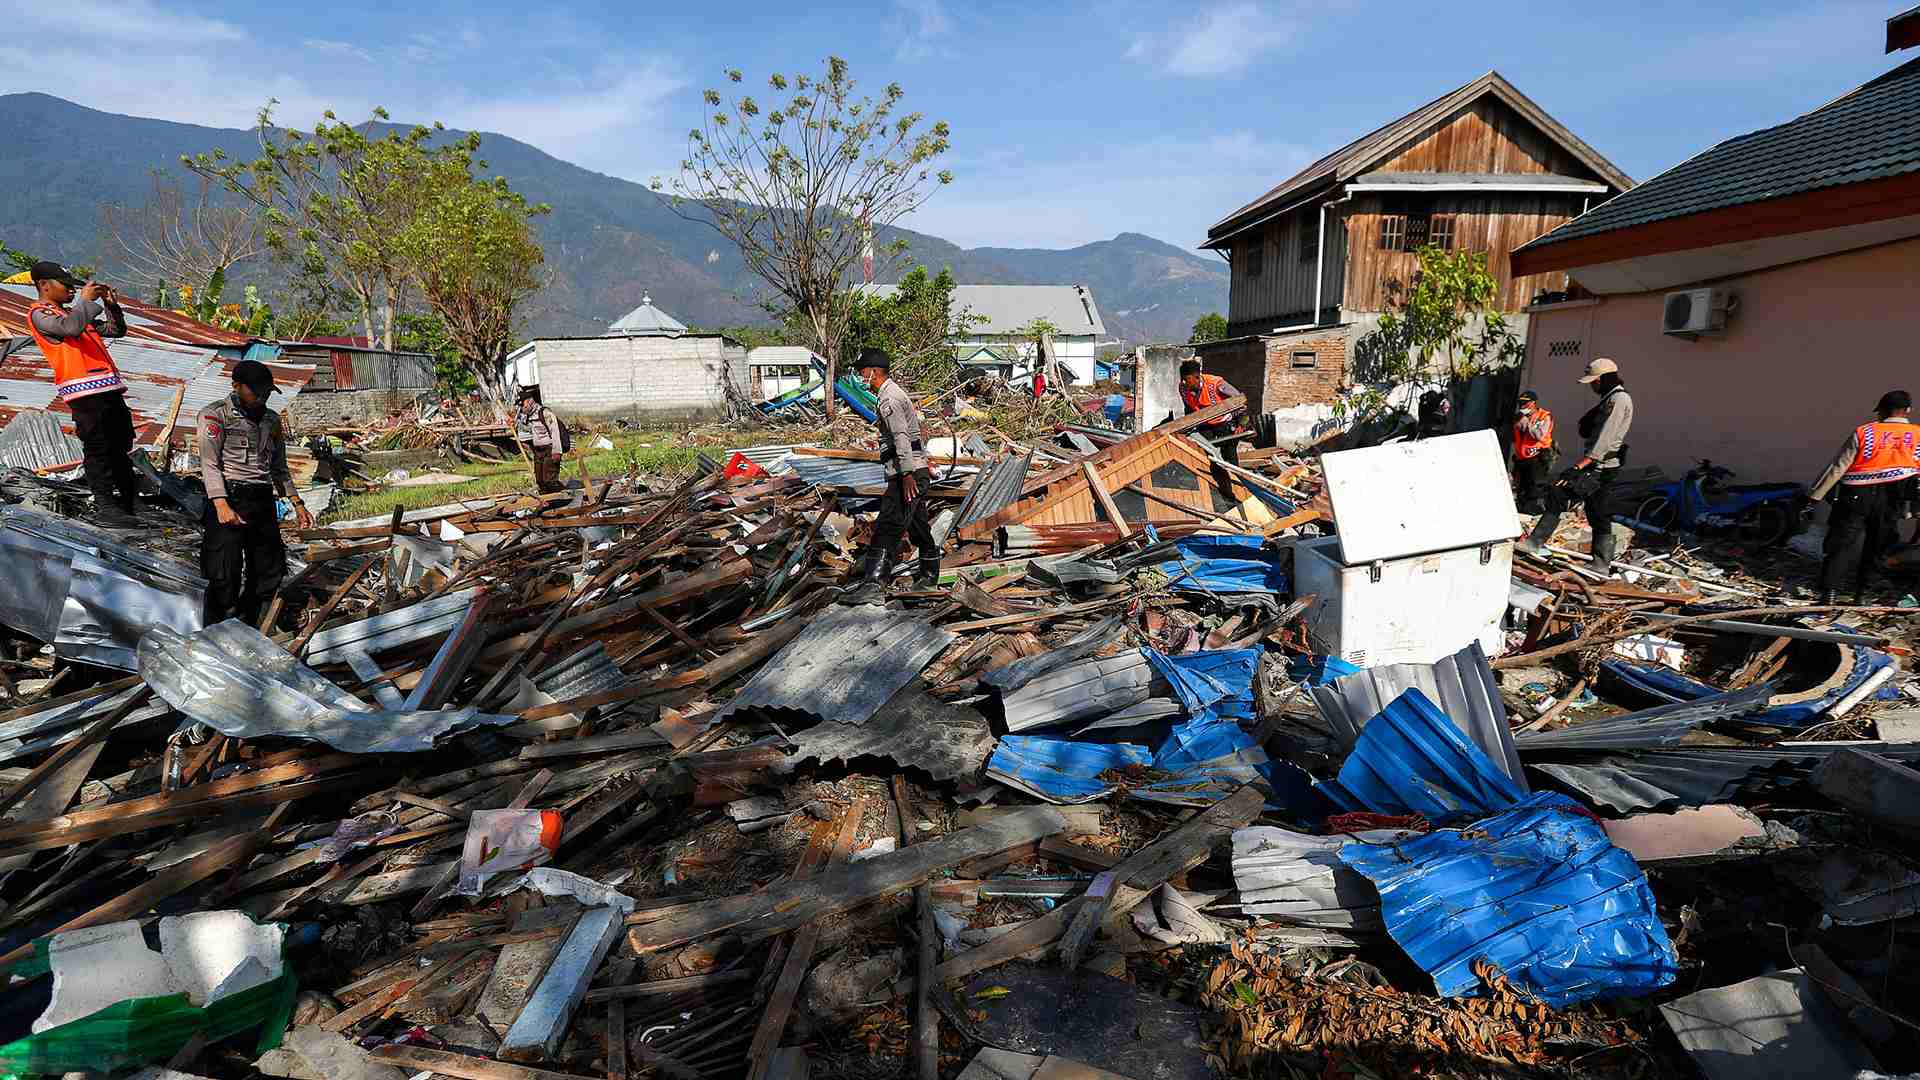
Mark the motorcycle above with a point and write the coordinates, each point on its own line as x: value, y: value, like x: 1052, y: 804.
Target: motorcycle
x: 1703, y: 501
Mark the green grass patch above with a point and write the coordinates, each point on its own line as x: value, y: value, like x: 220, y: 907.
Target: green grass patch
x: 644, y: 453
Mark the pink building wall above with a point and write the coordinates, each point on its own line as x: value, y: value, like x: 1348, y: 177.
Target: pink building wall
x: 1809, y: 351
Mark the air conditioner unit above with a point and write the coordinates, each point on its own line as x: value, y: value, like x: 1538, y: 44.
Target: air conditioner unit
x: 1695, y: 311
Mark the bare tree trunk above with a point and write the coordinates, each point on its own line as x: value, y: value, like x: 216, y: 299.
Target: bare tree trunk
x: 830, y: 346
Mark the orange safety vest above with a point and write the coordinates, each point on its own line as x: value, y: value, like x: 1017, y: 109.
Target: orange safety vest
x: 1206, y: 397
x: 81, y: 365
x: 1883, y: 452
x: 1532, y: 434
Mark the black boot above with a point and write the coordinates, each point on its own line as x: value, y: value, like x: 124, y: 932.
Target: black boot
x: 926, y: 574
x: 875, y: 569
x: 1603, y: 548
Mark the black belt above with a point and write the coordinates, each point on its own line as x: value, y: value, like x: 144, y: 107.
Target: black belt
x: 250, y: 487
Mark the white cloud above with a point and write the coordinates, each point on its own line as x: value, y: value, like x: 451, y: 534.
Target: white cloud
x: 923, y: 25
x: 134, y: 20
x: 337, y: 48
x: 1224, y: 39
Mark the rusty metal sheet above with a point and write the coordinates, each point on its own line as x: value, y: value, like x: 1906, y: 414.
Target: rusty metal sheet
x: 153, y: 371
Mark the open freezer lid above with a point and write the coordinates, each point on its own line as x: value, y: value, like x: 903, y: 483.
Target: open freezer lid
x: 1412, y: 498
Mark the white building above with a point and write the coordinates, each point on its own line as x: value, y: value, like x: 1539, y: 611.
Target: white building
x: 993, y: 340
x: 646, y: 367
x: 779, y: 368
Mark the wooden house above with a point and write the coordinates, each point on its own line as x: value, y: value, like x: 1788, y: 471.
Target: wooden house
x: 1319, y: 257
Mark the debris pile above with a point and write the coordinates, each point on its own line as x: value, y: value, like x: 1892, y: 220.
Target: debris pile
x: 617, y: 781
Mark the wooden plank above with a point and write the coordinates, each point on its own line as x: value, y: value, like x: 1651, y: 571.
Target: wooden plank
x: 779, y: 1007
x: 166, y: 883
x: 617, y: 1039
x: 658, y: 987
x: 53, y: 794
x: 926, y: 1019
x: 165, y: 442
x: 464, y: 1066
x: 536, y: 1033
x: 1106, y: 500
x: 640, y: 738
x: 789, y: 904
x: 68, y: 751
x: 55, y: 834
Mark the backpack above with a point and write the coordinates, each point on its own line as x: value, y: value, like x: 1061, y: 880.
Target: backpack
x: 563, y: 438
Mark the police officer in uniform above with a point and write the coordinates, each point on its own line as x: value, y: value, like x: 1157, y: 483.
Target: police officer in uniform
x: 243, y: 461
x: 1871, y: 482
x: 1603, y: 431
x: 903, y: 508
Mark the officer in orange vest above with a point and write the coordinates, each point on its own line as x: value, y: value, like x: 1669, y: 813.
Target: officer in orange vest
x: 1532, y: 452
x: 84, y: 377
x: 1871, y: 482
x: 1200, y: 391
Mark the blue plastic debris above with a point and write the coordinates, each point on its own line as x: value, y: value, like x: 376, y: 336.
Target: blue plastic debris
x: 1312, y: 671
x: 1061, y: 770
x: 1666, y: 686
x: 1411, y: 759
x: 1538, y: 890
x: 1225, y: 565
x: 1212, y: 685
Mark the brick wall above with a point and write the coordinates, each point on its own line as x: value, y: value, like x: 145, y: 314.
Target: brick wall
x: 1289, y: 382
x: 314, y: 409
x: 1263, y: 367
x: 640, y: 378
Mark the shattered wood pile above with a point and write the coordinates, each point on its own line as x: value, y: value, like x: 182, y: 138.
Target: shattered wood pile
x: 623, y: 782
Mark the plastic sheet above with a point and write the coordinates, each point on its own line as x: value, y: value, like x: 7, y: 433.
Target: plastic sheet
x: 1538, y: 890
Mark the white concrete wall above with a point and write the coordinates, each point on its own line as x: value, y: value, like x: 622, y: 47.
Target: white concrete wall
x: 640, y: 378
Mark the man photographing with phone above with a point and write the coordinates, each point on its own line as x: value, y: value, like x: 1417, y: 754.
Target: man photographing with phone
x: 71, y: 322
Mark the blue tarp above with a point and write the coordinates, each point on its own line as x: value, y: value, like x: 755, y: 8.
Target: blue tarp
x: 1665, y: 685
x: 1225, y: 564
x: 1411, y: 759
x: 1537, y: 889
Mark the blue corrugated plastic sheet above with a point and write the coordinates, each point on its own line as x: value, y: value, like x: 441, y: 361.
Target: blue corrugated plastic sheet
x: 1225, y: 564
x: 1537, y: 890
x: 1213, y: 684
x: 1411, y: 759
x: 1666, y: 685
x: 1061, y: 770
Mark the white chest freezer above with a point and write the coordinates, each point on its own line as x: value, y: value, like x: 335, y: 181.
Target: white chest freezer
x: 1423, y: 552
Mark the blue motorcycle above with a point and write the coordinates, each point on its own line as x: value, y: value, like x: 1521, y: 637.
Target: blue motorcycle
x: 1704, y: 502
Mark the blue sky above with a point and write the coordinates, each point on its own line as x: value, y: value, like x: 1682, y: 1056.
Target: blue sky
x: 1071, y: 121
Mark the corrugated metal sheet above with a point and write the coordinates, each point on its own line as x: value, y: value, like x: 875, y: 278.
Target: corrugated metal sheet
x: 1062, y: 770
x: 1010, y: 677
x: 1225, y: 565
x: 143, y: 321
x: 1411, y: 759
x: 994, y: 489
x: 34, y: 439
x: 1462, y: 685
x: 913, y: 730
x: 1664, y: 725
x: 833, y: 472
x: 390, y: 629
x: 1080, y: 691
x: 153, y: 372
x: 1538, y: 890
x: 1690, y: 776
x: 1299, y: 879
x: 388, y: 371
x: 87, y: 594
x: 842, y: 667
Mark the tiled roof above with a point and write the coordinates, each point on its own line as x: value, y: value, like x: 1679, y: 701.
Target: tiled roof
x: 1870, y: 134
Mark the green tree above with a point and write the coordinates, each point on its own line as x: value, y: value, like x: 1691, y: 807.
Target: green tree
x: 804, y: 184
x: 1209, y: 327
x: 423, y: 332
x: 340, y: 201
x: 915, y: 322
x: 471, y: 249
x: 1444, y: 327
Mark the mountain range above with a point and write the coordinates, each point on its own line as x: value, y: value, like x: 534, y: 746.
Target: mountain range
x: 608, y: 241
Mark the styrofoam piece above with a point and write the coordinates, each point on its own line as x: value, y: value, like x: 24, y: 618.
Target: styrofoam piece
x: 207, y: 956
x: 1411, y: 498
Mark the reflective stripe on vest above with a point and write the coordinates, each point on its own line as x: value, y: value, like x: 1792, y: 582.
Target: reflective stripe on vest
x: 81, y: 365
x: 1528, y: 445
x: 1206, y: 397
x: 1883, y: 452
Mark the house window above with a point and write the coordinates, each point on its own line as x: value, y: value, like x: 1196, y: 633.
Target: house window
x: 1257, y: 256
x: 1309, y: 238
x: 1306, y: 359
x: 1440, y: 232
x: 1393, y: 232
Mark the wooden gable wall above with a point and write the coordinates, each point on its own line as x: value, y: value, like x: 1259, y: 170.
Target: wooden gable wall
x: 1283, y: 293
x: 1485, y: 137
